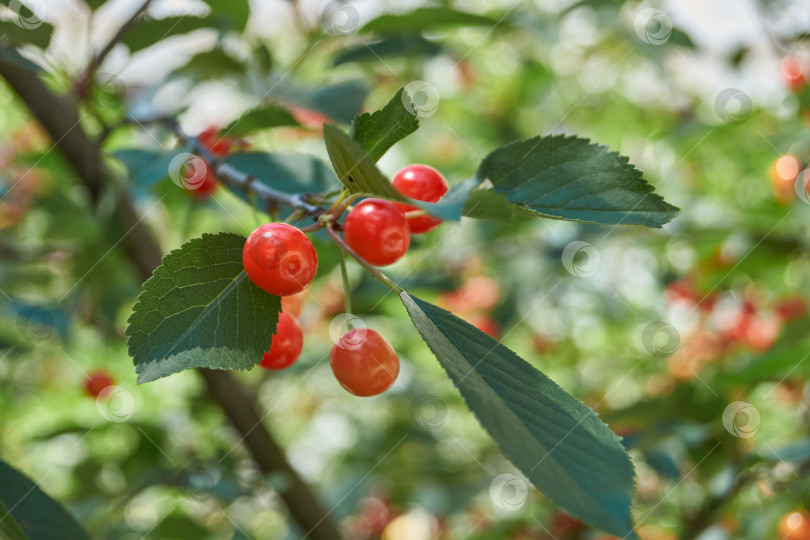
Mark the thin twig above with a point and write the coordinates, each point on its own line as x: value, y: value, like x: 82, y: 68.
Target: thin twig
x: 347, y: 290
x: 365, y: 264
x: 236, y: 178
x: 99, y: 57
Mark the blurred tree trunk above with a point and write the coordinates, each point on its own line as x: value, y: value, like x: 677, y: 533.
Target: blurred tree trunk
x: 59, y: 116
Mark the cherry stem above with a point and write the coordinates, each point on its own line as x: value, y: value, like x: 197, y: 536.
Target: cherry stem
x: 415, y: 213
x: 101, y: 55
x: 344, y: 204
x: 370, y: 269
x: 347, y: 293
x: 314, y: 227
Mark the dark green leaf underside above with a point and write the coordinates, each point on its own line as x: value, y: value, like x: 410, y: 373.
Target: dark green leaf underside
x: 211, y: 64
x: 262, y: 117
x: 36, y: 514
x: 426, y: 18
x: 30, y: 30
x: 148, y: 31
x: 570, y: 178
x: 146, y: 167
x: 554, y: 439
x: 199, y: 309
x: 404, y: 45
x: 291, y: 173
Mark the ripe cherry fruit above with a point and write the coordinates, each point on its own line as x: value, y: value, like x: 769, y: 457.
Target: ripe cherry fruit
x: 793, y: 72
x: 218, y: 147
x: 214, y: 143
x: 287, y: 344
x: 783, y: 174
x: 96, y: 382
x: 794, y: 526
x: 378, y: 231
x: 279, y: 259
x: 486, y: 324
x: 364, y: 363
x: 292, y: 304
x: 423, y: 183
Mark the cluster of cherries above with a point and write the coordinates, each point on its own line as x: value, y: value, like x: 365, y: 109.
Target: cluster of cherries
x: 727, y: 324
x: 280, y: 259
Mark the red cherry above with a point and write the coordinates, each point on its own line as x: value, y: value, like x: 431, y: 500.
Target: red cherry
x: 794, y: 526
x: 378, y: 231
x: 292, y: 304
x: 96, y: 382
x: 279, y: 259
x: 423, y: 183
x: 783, y: 173
x: 364, y: 363
x: 791, y: 308
x: 564, y: 525
x: 286, y: 346
x: 680, y: 291
x: 206, y: 187
x: 486, y: 324
x: 793, y: 72
x: 218, y: 146
x: 761, y: 334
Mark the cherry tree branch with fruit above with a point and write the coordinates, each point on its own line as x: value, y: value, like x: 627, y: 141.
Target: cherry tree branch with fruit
x: 372, y: 219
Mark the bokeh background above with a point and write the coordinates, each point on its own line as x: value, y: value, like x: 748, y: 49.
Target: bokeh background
x: 690, y: 341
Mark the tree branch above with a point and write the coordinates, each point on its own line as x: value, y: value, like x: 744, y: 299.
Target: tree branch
x: 99, y: 57
x: 238, y: 179
x: 59, y: 116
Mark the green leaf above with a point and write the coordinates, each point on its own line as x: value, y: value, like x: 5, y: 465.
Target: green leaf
x: 426, y: 18
x: 95, y: 4
x: 354, y: 166
x: 39, y: 516
x: 148, y: 31
x: 358, y: 174
x: 199, y: 309
x: 570, y: 178
x: 263, y: 117
x: 486, y: 204
x: 145, y: 167
x: 211, y: 64
x: 30, y: 30
x: 230, y: 14
x: 380, y: 130
x: 555, y: 440
x: 9, y: 528
x: 341, y: 102
x: 291, y: 173
x: 405, y: 45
